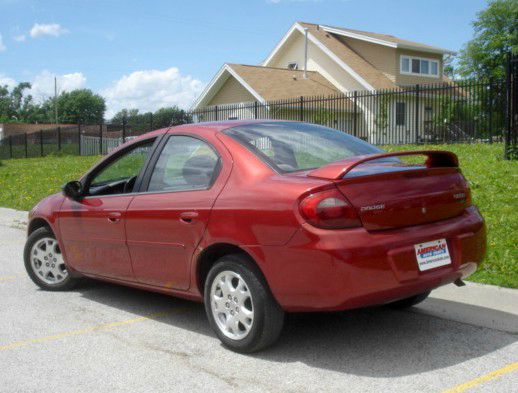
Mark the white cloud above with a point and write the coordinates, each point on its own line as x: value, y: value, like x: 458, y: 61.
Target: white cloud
x: 5, y: 80
x: 2, y: 46
x: 150, y: 90
x: 43, y: 84
x: 20, y: 38
x: 52, y: 29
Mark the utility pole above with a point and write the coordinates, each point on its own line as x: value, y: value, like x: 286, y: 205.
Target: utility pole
x: 305, y: 53
x: 55, y: 100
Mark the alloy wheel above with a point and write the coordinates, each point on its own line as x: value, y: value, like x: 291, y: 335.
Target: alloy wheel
x: 47, y: 261
x: 232, y: 305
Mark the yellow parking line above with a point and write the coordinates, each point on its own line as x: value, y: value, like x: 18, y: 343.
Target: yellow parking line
x: 484, y: 378
x: 7, y: 278
x: 78, y: 332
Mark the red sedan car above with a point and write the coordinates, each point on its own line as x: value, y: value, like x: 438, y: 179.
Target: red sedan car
x: 259, y: 218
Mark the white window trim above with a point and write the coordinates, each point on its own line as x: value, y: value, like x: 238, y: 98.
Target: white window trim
x: 410, y: 58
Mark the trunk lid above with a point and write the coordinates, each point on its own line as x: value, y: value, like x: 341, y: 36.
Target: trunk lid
x: 389, y: 194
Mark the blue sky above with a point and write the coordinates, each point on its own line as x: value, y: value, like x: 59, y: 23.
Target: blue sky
x: 153, y: 53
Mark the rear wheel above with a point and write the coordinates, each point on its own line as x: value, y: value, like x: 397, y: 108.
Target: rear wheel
x: 240, y: 307
x: 409, y: 301
x: 44, y: 262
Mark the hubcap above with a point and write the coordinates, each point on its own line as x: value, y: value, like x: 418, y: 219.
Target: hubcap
x: 47, y: 261
x: 232, y: 305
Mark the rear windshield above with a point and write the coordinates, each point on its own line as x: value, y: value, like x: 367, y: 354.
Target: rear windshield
x: 290, y: 147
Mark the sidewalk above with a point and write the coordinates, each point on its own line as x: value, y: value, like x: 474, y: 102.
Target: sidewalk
x: 475, y: 304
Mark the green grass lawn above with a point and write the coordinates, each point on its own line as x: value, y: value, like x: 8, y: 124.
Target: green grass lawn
x: 494, y: 184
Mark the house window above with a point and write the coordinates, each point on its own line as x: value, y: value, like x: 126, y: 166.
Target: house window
x: 293, y: 66
x: 405, y: 64
x: 400, y: 113
x: 419, y: 66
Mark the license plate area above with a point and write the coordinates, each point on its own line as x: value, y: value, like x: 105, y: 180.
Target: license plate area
x: 433, y: 254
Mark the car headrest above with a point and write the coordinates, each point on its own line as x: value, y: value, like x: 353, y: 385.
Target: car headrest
x: 198, y: 170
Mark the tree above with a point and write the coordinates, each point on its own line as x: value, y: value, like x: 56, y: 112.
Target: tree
x: 79, y: 106
x: 15, y: 105
x: 163, y: 117
x: 496, y: 34
x: 170, y: 116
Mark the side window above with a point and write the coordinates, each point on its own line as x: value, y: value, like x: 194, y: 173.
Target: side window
x: 185, y: 163
x: 113, y: 177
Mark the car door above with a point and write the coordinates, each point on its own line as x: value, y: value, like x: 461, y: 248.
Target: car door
x: 166, y: 222
x: 92, y: 228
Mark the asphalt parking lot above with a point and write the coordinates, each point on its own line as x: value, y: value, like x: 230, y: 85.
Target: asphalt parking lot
x: 102, y: 337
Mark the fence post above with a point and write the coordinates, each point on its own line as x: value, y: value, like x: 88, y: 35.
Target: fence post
x: 508, y: 106
x: 216, y: 112
x: 41, y: 143
x: 59, y: 138
x: 490, y: 125
x: 101, y: 139
x: 10, y: 146
x: 26, y: 150
x: 123, y: 129
x: 355, y: 113
x: 255, y: 109
x: 417, y: 113
x: 79, y: 137
x: 301, y: 114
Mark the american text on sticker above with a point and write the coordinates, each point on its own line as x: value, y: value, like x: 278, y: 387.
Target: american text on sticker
x: 432, y: 254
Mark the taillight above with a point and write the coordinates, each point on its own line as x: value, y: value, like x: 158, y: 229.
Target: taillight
x: 329, y: 210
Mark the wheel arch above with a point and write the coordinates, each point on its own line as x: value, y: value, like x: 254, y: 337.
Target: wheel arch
x: 208, y: 257
x: 37, y: 223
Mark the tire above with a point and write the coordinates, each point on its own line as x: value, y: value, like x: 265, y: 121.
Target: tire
x: 409, y: 301
x: 45, y: 264
x: 256, y: 320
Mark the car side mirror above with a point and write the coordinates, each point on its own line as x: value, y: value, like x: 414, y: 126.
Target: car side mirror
x: 73, y: 190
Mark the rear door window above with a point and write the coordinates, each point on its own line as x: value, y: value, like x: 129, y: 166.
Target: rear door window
x: 185, y: 164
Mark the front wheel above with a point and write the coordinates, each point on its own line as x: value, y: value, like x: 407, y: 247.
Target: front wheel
x: 44, y: 262
x: 240, y: 307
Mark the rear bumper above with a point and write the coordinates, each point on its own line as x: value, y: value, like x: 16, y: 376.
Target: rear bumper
x: 326, y: 270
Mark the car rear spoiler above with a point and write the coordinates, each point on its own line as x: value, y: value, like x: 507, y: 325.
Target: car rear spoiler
x: 337, y: 170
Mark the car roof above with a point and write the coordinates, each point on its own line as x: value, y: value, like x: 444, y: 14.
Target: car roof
x: 212, y: 126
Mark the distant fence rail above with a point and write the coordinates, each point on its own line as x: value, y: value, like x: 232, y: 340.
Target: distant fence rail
x: 460, y: 111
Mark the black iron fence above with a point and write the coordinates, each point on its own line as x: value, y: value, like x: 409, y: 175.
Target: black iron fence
x: 467, y: 111
x: 511, y: 138
x: 81, y: 139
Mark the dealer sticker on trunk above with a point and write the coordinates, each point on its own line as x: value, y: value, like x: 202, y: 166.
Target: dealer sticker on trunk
x: 432, y: 254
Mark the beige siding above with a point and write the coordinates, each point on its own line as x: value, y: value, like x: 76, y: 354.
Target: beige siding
x: 381, y: 57
x: 317, y: 61
x: 403, y: 79
x: 231, y: 92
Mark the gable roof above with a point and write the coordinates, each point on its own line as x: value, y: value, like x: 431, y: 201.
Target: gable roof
x: 385, y: 39
x: 326, y: 38
x: 281, y: 83
x: 346, y: 57
x: 269, y: 83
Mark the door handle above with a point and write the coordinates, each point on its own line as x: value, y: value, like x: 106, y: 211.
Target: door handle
x: 188, y: 217
x: 114, y: 217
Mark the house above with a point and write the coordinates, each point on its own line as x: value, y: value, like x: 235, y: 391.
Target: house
x: 320, y: 60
